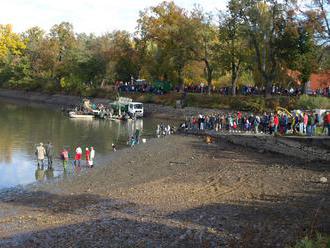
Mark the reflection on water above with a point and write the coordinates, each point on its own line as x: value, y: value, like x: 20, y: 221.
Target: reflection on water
x: 23, y: 126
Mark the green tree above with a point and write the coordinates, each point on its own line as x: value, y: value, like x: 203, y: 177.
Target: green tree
x: 10, y: 42
x: 12, y: 46
x: 234, y: 50
x: 205, y: 42
x: 167, y: 25
x: 261, y: 21
x: 62, y: 41
x: 297, y: 47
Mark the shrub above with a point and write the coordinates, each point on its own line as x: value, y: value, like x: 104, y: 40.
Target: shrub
x: 25, y: 84
x: 148, y: 98
x: 208, y: 101
x: 319, y: 242
x: 313, y: 102
x: 255, y: 104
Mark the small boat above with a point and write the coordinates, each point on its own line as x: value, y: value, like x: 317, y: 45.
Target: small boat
x: 117, y: 118
x: 73, y: 114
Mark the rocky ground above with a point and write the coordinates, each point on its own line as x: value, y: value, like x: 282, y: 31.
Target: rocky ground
x: 173, y: 192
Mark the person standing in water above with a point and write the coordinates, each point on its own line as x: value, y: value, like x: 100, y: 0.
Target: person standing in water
x: 158, y: 132
x: 137, y: 136
x: 50, y: 154
x: 92, y: 157
x: 78, y: 156
x: 114, y: 147
x: 87, y: 154
x: 65, y: 157
x: 40, y: 153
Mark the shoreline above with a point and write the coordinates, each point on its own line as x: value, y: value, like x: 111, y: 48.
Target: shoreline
x: 304, y: 148
x: 59, y: 100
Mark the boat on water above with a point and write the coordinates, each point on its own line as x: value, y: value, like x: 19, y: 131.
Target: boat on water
x: 119, y: 117
x: 73, y: 114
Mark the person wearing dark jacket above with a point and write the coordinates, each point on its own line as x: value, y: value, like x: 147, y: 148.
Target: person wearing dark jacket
x: 50, y: 154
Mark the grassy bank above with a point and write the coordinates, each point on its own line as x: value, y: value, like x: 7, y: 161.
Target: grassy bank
x: 215, y: 101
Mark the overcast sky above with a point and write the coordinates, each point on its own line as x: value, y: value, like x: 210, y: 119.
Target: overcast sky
x: 90, y: 16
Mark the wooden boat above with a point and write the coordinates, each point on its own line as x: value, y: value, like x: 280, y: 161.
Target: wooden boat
x: 73, y: 114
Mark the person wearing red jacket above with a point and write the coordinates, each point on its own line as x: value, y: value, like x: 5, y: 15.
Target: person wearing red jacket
x: 276, y: 123
x: 87, y: 153
x: 326, y: 121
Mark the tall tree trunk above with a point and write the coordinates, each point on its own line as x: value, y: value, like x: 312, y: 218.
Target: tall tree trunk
x: 235, y: 70
x: 268, y: 92
x: 304, y: 87
x: 269, y: 85
x: 209, y: 75
x: 181, y: 80
x: 234, y: 80
x: 209, y: 81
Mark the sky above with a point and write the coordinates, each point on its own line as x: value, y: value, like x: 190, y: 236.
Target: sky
x: 89, y: 16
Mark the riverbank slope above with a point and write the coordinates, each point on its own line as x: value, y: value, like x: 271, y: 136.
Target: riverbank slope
x: 152, y: 110
x: 174, y: 192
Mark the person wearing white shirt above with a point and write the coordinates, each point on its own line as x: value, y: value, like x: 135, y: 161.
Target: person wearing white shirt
x: 78, y: 155
x: 92, y: 156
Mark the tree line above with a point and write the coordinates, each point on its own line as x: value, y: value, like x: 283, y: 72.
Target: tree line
x: 252, y: 41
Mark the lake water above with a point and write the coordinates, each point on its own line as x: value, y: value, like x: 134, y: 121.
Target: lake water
x: 23, y: 125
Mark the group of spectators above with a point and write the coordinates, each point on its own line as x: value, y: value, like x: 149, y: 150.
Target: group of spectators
x: 141, y: 87
x: 254, y: 90
x: 145, y: 87
x: 271, y: 123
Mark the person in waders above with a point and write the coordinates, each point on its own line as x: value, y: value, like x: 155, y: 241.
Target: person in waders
x: 40, y: 153
x: 78, y: 156
x: 132, y: 141
x: 65, y: 158
x: 87, y: 156
x: 114, y: 149
x: 92, y: 157
x: 137, y: 136
x: 49, y: 154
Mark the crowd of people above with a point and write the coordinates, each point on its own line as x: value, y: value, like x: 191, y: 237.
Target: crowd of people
x: 248, y: 90
x: 300, y: 123
x: 141, y: 87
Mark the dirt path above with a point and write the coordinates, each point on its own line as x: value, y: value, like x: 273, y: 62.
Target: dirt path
x: 173, y: 192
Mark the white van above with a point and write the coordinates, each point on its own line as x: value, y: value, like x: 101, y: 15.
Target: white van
x: 135, y: 109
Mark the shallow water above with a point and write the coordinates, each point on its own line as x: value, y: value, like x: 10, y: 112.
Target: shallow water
x: 22, y: 126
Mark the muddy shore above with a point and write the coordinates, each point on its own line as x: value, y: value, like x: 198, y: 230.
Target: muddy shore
x: 152, y: 110
x: 173, y: 192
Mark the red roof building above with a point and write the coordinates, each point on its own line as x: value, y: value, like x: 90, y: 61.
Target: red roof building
x: 317, y: 80
x: 320, y: 81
